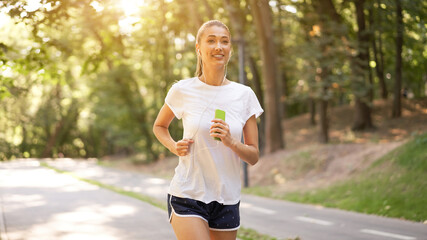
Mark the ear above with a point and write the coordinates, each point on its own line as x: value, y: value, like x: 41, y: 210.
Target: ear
x: 197, y: 49
x: 231, y: 54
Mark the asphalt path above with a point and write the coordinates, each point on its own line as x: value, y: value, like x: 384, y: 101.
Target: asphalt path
x: 38, y: 203
x: 280, y: 219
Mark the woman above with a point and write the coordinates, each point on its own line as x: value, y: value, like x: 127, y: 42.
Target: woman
x: 204, y: 194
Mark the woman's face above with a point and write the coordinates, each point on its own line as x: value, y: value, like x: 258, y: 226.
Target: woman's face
x: 215, y: 46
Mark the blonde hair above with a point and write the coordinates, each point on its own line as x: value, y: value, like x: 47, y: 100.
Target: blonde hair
x: 199, y: 67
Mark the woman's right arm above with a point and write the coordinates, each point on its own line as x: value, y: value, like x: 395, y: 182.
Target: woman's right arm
x: 161, y: 131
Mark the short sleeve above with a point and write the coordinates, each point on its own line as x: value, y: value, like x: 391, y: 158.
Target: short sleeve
x: 253, y: 106
x: 174, y: 101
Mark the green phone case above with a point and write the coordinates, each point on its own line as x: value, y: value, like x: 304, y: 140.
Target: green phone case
x: 219, y: 114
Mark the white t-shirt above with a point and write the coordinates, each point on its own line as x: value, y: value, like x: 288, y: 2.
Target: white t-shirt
x: 211, y: 171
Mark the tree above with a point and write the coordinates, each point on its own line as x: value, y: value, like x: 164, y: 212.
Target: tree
x: 261, y: 12
x: 376, y: 36
x: 397, y: 106
x: 86, y: 78
x: 360, y: 71
x: 326, y: 8
x: 326, y: 33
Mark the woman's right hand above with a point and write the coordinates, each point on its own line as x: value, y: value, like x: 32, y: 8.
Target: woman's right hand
x: 182, y: 147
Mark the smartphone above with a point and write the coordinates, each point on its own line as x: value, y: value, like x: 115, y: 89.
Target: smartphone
x: 219, y: 114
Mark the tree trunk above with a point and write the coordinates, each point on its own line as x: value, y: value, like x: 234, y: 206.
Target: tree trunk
x: 307, y: 22
x: 327, y: 10
x: 323, y: 104
x: 208, y: 8
x: 263, y: 21
x: 371, y: 86
x: 47, y: 152
x: 23, y: 146
x: 256, y: 80
x: 327, y: 14
x: 384, y: 93
x: 62, y: 129
x: 397, y: 106
x: 197, y: 20
x: 284, y: 86
x: 258, y: 91
x: 379, y: 67
x: 324, y: 121
x: 312, y: 109
x: 363, y: 118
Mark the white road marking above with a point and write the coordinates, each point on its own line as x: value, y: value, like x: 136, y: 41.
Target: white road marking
x: 314, y: 220
x: 258, y: 209
x: 386, y: 234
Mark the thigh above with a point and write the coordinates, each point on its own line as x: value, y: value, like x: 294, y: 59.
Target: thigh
x: 190, y: 228
x: 223, y: 235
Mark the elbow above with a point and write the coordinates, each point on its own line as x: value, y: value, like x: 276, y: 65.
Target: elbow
x: 255, y: 158
x: 255, y: 161
x: 155, y: 130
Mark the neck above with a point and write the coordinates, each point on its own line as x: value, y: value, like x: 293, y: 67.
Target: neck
x: 213, y: 77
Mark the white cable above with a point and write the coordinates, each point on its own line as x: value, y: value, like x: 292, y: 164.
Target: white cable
x: 193, y: 152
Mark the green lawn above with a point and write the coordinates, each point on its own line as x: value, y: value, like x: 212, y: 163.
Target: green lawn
x: 394, y: 186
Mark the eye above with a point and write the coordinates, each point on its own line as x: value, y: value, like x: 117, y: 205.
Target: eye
x: 225, y: 41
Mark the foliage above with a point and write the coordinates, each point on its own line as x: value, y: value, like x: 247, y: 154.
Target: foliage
x: 86, y: 78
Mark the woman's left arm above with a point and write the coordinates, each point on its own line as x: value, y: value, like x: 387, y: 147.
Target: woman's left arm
x: 247, y: 151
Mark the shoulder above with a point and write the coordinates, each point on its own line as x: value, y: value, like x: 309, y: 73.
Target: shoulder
x: 238, y: 86
x: 181, y: 85
x: 184, y: 82
x: 235, y: 86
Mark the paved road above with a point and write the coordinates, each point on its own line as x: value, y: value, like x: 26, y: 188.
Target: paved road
x: 276, y: 218
x: 281, y: 218
x: 40, y: 204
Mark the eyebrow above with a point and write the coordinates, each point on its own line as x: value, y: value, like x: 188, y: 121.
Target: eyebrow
x: 216, y: 36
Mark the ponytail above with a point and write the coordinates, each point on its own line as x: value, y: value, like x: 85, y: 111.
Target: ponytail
x: 199, y: 66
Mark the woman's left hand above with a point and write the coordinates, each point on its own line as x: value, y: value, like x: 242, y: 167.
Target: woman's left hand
x: 221, y: 129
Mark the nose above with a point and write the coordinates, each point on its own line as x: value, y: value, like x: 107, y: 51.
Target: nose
x: 218, y: 47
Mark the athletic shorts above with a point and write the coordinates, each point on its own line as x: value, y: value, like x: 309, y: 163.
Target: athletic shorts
x: 219, y: 217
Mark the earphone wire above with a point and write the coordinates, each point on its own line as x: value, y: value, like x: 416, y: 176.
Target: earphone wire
x: 193, y: 152
x: 192, y: 148
x: 209, y: 104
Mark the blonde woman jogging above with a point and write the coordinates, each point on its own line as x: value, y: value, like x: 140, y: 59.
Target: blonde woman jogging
x: 204, y: 194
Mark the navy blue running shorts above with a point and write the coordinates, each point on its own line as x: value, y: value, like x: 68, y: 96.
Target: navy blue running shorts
x: 219, y: 217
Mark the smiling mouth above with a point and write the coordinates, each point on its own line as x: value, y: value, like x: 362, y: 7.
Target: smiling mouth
x: 218, y: 55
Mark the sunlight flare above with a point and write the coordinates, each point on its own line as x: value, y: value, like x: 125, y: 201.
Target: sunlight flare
x: 131, y: 7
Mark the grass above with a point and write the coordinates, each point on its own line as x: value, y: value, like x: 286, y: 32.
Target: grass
x: 394, y: 186
x: 243, y: 233
x: 250, y: 234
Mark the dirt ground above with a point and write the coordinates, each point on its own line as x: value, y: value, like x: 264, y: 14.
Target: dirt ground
x: 306, y: 164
